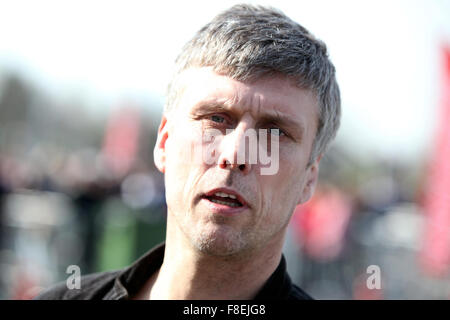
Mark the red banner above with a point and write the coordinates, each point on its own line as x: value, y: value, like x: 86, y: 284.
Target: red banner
x: 435, y: 253
x: 121, y: 140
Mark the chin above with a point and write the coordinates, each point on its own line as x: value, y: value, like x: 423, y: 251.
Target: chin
x: 220, y: 242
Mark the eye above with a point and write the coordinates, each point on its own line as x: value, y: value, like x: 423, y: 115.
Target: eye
x: 218, y: 119
x: 276, y: 132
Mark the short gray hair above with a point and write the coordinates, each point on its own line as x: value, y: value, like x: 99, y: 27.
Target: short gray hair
x: 247, y: 42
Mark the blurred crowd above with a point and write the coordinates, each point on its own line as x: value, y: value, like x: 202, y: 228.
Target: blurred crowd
x: 74, y: 189
x: 81, y: 189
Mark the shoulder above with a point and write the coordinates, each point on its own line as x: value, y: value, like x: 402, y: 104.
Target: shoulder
x: 93, y: 286
x: 296, y: 293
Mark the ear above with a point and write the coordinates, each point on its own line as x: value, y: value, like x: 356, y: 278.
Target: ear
x: 159, y: 152
x: 312, y: 175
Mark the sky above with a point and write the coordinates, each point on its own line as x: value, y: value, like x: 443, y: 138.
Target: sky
x: 386, y: 54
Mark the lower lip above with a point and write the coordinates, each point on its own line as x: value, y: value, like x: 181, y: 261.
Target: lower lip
x: 223, y: 209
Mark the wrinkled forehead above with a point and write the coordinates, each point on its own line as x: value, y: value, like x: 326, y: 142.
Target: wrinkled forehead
x: 203, y: 84
x: 274, y: 99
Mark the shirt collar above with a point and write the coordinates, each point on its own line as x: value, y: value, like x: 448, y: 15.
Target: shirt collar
x: 129, y: 281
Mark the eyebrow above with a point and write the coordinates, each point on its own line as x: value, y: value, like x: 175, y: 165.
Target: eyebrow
x: 275, y: 117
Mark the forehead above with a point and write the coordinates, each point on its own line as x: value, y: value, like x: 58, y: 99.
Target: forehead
x: 268, y: 96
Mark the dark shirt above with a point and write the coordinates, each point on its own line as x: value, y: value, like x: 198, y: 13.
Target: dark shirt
x: 125, y: 283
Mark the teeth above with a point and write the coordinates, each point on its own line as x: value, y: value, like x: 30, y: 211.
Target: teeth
x: 225, y: 195
x: 231, y: 204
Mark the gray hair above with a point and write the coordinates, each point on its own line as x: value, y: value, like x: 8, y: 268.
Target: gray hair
x: 247, y: 42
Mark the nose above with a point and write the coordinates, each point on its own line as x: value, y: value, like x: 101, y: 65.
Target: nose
x: 233, y: 150
x: 244, y: 167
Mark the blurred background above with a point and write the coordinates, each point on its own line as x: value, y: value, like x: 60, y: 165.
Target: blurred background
x: 82, y: 87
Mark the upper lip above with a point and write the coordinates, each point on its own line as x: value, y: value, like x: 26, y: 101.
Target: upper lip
x: 238, y: 196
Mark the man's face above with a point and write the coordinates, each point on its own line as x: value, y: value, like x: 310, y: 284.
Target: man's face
x: 264, y: 203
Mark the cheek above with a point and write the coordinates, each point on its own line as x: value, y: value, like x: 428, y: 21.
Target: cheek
x: 283, y: 190
x: 179, y: 148
x: 183, y: 169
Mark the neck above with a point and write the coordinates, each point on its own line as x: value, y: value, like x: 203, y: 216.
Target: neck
x: 187, y: 273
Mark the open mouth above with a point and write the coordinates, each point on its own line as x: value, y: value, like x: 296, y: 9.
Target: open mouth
x: 224, y: 199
